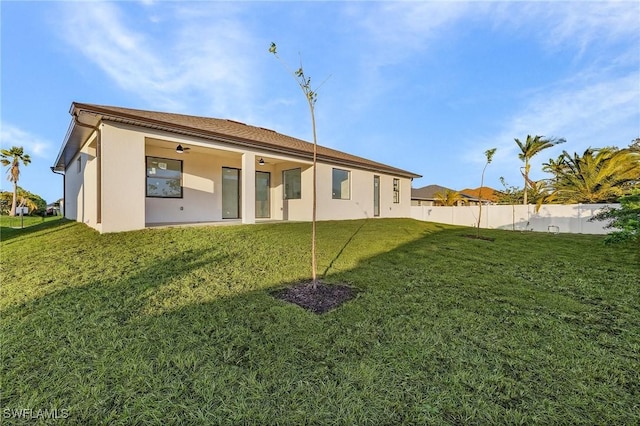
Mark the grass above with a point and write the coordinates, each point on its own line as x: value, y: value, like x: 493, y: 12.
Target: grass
x: 177, y: 326
x: 12, y: 225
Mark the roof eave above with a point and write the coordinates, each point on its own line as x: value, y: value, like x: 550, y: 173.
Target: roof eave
x: 176, y: 128
x: 76, y: 135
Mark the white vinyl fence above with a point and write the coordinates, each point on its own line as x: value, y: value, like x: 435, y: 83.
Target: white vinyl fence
x: 568, y: 218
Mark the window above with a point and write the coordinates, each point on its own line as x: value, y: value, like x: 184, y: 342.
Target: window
x: 396, y: 191
x: 79, y: 164
x: 341, y: 184
x: 376, y: 196
x: 292, y: 184
x: 164, y: 178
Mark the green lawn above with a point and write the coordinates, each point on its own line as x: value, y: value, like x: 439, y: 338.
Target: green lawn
x: 12, y: 225
x: 177, y: 326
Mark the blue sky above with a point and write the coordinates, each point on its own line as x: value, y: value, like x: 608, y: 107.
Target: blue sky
x: 426, y: 87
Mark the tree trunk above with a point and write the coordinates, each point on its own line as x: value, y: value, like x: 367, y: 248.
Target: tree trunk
x: 14, y: 200
x: 526, y: 178
x: 480, y: 200
x: 314, y: 268
x: 480, y: 203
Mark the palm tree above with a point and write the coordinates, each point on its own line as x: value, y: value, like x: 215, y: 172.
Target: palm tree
x: 531, y: 147
x: 448, y: 197
x: 12, y: 158
x: 541, y: 193
x: 27, y: 202
x: 597, y: 176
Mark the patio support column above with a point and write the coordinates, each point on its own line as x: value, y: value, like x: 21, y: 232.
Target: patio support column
x: 248, y: 188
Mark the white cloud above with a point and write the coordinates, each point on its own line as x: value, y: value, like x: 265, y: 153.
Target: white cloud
x: 390, y: 32
x: 396, y: 28
x: 193, y: 56
x: 13, y: 136
x: 595, y: 107
x: 576, y: 25
x: 589, y: 23
x: 587, y: 113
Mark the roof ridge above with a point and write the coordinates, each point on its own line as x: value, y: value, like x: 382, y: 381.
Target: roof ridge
x: 234, y: 121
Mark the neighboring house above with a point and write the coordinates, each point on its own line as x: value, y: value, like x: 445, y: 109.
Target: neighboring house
x: 127, y: 169
x: 53, y: 209
x: 489, y: 195
x: 426, y: 196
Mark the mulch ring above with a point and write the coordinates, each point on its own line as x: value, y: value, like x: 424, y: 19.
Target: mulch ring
x: 323, y: 299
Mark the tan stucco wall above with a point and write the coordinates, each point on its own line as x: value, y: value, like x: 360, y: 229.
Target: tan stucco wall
x: 125, y: 206
x: 360, y: 204
x: 81, y: 187
x: 123, y: 182
x: 202, y: 189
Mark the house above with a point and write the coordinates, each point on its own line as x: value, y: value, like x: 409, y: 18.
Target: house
x: 127, y: 169
x: 427, y: 196
x: 53, y: 209
x: 489, y: 195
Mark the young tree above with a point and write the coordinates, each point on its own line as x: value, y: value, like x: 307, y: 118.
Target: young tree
x: 528, y: 149
x: 311, y: 96
x: 511, y: 194
x: 12, y: 158
x: 489, y: 155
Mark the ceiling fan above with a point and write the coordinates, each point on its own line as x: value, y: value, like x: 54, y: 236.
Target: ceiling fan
x: 182, y: 149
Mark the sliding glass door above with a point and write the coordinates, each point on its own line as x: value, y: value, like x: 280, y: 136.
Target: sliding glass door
x: 263, y: 200
x: 230, y: 193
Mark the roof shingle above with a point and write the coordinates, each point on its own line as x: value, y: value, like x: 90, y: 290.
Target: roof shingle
x: 236, y: 132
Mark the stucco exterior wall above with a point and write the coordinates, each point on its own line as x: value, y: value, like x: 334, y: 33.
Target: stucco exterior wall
x: 202, y: 189
x: 81, y: 186
x: 298, y: 209
x: 73, y: 183
x: 122, y: 183
x: 360, y: 203
x: 123, y: 178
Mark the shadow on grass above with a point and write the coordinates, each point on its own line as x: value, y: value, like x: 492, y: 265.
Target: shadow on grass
x: 8, y: 233
x: 443, y: 320
x: 346, y: 244
x: 126, y: 298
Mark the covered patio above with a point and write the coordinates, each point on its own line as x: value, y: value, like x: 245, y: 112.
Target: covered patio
x: 215, y: 185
